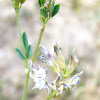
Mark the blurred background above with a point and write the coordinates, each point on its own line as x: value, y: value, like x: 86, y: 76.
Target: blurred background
x: 77, y: 25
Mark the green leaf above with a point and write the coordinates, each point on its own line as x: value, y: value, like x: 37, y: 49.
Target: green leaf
x: 19, y: 53
x: 56, y: 9
x: 52, y: 8
x: 25, y: 40
x: 44, y: 13
x: 22, y: 1
x: 29, y: 51
x: 41, y: 2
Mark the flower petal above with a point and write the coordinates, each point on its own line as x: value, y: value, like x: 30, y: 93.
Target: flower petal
x: 47, y: 58
x: 42, y: 58
x: 30, y: 65
x: 46, y: 52
x: 76, y: 78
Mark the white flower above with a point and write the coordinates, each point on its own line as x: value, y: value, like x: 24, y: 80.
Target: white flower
x: 39, y: 77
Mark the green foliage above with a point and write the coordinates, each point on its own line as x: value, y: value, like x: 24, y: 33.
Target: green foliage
x: 25, y: 40
x: 17, y: 3
x: 52, y: 8
x: 44, y: 13
x: 56, y: 9
x: 19, y: 53
x: 29, y: 51
x: 28, y: 48
x: 22, y: 1
x: 47, y: 10
x: 41, y: 2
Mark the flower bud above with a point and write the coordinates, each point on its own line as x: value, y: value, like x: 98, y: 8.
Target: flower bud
x: 17, y: 3
x: 75, y: 79
x: 47, y: 58
x: 71, y: 66
x: 60, y: 58
x: 22, y: 1
x: 46, y: 52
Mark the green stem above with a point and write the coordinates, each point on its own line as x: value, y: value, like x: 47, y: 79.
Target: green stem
x: 49, y: 96
x: 26, y: 62
x: 19, y: 28
x: 40, y: 36
x: 26, y: 82
x: 25, y: 87
x: 38, y: 43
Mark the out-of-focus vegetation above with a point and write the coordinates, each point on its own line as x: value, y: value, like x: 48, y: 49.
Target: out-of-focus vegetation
x: 77, y: 25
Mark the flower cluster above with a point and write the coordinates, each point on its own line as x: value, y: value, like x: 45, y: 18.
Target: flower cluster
x: 58, y: 67
x: 39, y: 76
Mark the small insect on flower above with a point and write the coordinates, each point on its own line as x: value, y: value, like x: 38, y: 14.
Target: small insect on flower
x: 39, y: 76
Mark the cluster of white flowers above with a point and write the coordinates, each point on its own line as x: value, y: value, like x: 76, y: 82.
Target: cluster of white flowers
x: 60, y: 68
x: 39, y: 76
